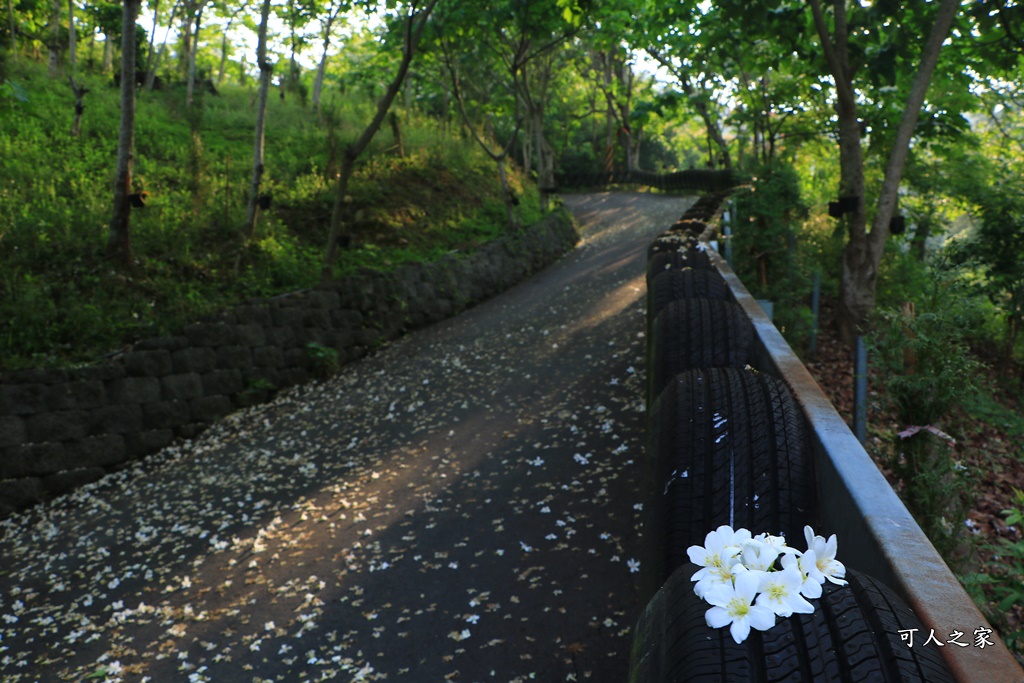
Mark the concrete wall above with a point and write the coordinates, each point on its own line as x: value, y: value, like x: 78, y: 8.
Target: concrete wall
x: 60, y: 429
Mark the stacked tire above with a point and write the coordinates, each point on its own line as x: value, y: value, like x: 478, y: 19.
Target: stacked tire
x: 727, y: 444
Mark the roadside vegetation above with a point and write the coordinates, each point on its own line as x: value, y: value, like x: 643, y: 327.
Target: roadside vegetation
x: 62, y: 300
x: 885, y: 147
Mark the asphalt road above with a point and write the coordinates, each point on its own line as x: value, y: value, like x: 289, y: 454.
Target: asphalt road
x: 462, y: 506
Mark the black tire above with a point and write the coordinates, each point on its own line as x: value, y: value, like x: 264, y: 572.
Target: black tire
x: 673, y: 240
x: 696, y: 333
x: 662, y: 261
x: 725, y: 446
x: 852, y: 637
x: 674, y: 285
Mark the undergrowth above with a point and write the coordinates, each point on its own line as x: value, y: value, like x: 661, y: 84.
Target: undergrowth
x: 62, y: 302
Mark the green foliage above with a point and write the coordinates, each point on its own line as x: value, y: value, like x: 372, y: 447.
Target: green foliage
x: 776, y: 247
x: 61, y: 302
x: 999, y: 590
x: 920, y: 350
x: 323, y: 360
x: 925, y: 368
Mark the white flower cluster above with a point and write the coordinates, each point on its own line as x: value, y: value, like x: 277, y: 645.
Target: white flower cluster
x: 739, y: 578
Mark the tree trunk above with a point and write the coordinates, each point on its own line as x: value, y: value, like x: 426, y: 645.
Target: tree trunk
x: 266, y: 71
x: 108, y: 53
x: 190, y: 91
x: 321, y: 69
x: 155, y: 63
x: 119, y: 240
x: 862, y: 255
x: 12, y: 32
x: 186, y: 37
x: 54, y: 44
x: 72, y: 38
x: 414, y: 28
x: 79, y: 92
x: 152, y: 35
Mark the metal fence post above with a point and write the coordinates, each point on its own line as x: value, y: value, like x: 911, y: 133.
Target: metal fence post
x: 860, y: 392
x: 815, y: 307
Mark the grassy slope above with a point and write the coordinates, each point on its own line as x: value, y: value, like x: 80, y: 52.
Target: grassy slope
x: 61, y: 302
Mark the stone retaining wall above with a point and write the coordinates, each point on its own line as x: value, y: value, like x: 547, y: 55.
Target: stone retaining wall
x: 60, y: 429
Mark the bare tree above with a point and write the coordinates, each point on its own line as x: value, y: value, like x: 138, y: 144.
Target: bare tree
x: 119, y: 240
x: 54, y: 42
x: 266, y: 71
x: 326, y: 24
x: 414, y: 25
x: 72, y: 38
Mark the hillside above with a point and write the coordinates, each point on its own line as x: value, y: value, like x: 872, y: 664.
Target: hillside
x: 62, y: 302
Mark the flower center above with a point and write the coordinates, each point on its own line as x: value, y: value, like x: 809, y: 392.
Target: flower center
x: 738, y: 607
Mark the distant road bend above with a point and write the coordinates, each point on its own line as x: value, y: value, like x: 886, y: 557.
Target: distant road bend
x: 460, y: 506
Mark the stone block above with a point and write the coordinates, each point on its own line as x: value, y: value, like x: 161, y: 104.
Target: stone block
x: 99, y: 373
x: 118, y: 419
x: 59, y: 426
x: 282, y: 337
x: 165, y: 414
x: 367, y: 336
x: 317, y: 318
x: 147, y: 442
x: 267, y: 357
x: 211, y: 334
x: 194, y: 360
x: 294, y: 376
x: 185, y: 386
x: 65, y: 482
x: 34, y: 459
x: 98, y: 451
x: 287, y: 317
x: 155, y: 363
x: 24, y: 399
x: 210, y: 408
x: 254, y: 315
x: 251, y: 335
x: 12, y: 431
x: 81, y: 394
x: 296, y: 358
x: 234, y: 357
x: 347, y: 318
x: 191, y: 431
x: 164, y: 343
x: 323, y: 298
x: 222, y: 382
x: 35, y: 376
x: 17, y: 494
x: 133, y: 390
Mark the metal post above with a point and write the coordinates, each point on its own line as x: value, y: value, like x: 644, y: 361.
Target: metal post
x: 727, y: 220
x: 815, y: 307
x: 860, y: 393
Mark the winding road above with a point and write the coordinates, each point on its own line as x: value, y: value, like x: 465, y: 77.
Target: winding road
x: 460, y: 506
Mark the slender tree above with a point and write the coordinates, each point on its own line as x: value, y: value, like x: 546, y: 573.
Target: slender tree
x: 54, y: 41
x: 154, y: 61
x: 863, y: 252
x: 414, y: 24
x: 72, y: 38
x: 326, y: 24
x: 119, y: 240
x: 266, y: 72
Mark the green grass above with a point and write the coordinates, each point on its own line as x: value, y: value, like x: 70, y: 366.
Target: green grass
x: 62, y: 302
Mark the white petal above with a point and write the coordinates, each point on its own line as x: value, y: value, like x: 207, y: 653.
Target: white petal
x: 761, y: 617
x: 747, y: 584
x: 698, y: 555
x: 717, y: 617
x: 740, y: 629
